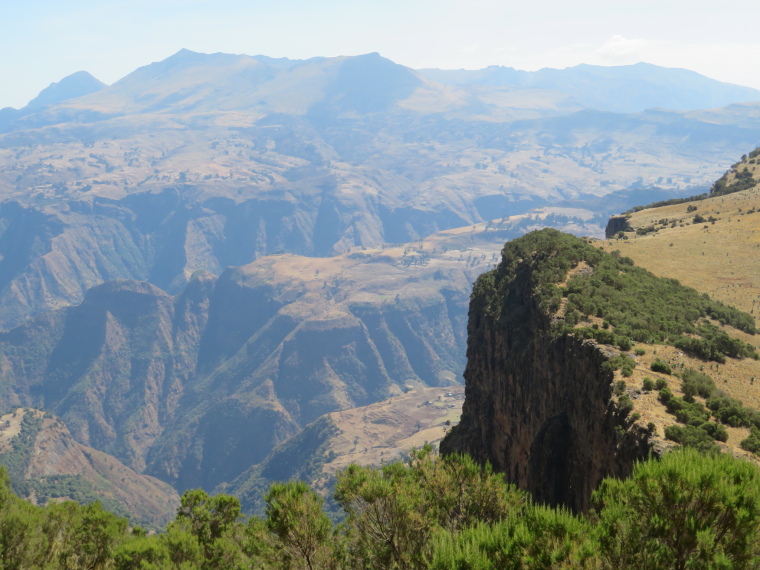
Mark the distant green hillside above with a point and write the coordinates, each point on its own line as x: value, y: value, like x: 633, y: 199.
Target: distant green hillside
x: 45, y: 465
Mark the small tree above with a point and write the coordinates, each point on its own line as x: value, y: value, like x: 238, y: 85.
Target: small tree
x: 395, y: 511
x: 294, y: 514
x: 208, y: 519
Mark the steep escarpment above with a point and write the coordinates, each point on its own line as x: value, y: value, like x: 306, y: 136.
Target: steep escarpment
x: 547, y: 330
x: 538, y: 404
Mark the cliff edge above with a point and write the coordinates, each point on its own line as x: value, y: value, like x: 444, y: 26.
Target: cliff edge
x: 551, y: 332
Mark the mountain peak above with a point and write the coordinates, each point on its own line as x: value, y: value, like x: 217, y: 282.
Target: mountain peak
x: 72, y: 86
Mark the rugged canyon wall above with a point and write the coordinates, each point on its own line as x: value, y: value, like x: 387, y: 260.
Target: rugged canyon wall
x: 539, y: 403
x: 195, y: 388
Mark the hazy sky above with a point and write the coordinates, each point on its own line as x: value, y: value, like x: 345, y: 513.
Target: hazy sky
x: 44, y: 40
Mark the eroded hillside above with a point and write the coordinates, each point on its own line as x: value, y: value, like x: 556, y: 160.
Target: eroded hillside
x: 47, y: 464
x: 368, y: 435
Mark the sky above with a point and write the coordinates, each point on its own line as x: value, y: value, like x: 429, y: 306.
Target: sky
x: 42, y: 41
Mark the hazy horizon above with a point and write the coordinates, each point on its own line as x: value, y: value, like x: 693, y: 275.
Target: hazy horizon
x: 44, y: 41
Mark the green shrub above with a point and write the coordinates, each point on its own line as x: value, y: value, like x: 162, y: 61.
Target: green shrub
x: 729, y: 411
x: 697, y: 384
x: 665, y: 395
x: 715, y: 431
x: 619, y: 362
x: 624, y: 343
x: 647, y: 385
x: 691, y: 413
x: 686, y: 510
x: 661, y: 383
x: 692, y: 436
x: 625, y: 405
x: 715, y: 345
x: 542, y: 537
x: 752, y: 442
x: 659, y: 366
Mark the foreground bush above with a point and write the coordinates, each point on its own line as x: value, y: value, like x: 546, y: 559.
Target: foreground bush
x: 687, y: 510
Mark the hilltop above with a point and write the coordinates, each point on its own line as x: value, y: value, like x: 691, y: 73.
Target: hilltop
x: 709, y: 243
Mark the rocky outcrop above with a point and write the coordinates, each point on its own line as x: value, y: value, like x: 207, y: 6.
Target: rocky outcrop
x: 539, y: 403
x: 615, y: 225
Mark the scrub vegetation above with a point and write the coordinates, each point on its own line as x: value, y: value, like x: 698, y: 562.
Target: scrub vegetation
x: 686, y: 510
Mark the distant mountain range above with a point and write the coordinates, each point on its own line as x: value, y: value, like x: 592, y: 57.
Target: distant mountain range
x: 202, y: 161
x: 620, y: 89
x: 371, y: 83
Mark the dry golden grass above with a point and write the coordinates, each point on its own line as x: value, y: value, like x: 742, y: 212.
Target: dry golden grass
x: 10, y: 427
x: 720, y: 258
x: 383, y: 432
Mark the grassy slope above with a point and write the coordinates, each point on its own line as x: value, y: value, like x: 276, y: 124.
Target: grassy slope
x: 719, y: 259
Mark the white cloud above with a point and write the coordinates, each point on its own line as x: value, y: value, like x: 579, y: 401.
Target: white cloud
x: 620, y: 51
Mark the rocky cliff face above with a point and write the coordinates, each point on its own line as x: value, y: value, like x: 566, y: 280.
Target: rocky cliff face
x: 616, y: 224
x: 539, y: 404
